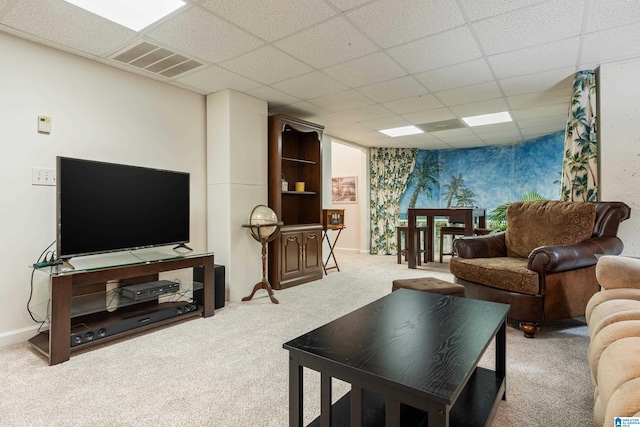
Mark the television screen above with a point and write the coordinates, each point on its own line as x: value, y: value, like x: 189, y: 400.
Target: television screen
x: 103, y: 207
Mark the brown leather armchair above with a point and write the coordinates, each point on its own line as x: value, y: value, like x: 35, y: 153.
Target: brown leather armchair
x: 544, y: 264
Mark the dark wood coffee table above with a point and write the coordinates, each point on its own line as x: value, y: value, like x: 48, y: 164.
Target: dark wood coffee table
x: 411, y: 358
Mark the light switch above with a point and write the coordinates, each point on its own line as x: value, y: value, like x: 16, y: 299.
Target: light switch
x: 44, y: 124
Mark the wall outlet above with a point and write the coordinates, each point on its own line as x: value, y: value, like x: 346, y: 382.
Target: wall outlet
x: 43, y: 176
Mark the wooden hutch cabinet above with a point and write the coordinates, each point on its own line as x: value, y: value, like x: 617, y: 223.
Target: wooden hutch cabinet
x: 295, y: 156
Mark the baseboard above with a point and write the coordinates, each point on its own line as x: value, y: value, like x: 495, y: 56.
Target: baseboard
x: 18, y: 335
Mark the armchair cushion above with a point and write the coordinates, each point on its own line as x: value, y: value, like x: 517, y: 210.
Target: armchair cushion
x: 508, y: 273
x: 544, y: 223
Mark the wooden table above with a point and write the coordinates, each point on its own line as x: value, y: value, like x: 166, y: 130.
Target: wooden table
x: 331, y: 246
x: 470, y: 215
x: 411, y: 358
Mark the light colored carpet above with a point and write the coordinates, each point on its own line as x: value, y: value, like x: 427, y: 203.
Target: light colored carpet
x: 231, y: 369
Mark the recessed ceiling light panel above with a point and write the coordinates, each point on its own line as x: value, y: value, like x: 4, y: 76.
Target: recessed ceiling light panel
x: 134, y: 14
x: 402, y: 131
x: 488, y: 119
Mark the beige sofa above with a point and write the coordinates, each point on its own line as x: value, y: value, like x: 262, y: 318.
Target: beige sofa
x: 613, y: 316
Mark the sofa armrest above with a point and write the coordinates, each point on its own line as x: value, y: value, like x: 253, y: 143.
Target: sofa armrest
x: 614, y: 272
x: 489, y: 246
x: 556, y: 258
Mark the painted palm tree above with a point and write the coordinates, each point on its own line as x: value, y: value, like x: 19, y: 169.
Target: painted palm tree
x: 498, y: 216
x: 465, y: 197
x: 452, y: 190
x: 425, y: 177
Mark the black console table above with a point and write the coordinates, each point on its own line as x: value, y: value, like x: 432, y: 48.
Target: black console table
x: 79, y: 295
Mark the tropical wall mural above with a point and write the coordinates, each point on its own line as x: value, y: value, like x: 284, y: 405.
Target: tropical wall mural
x: 485, y: 176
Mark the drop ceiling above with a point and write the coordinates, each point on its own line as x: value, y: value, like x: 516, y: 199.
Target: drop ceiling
x: 358, y: 66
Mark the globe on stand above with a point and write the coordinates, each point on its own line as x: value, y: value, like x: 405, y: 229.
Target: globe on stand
x: 264, y: 227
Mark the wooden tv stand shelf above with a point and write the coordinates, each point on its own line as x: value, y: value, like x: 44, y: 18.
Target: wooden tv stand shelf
x: 68, y: 287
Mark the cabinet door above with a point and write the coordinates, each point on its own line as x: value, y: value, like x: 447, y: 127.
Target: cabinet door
x: 312, y: 251
x: 291, y: 255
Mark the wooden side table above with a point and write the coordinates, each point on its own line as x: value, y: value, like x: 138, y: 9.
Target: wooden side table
x: 331, y: 246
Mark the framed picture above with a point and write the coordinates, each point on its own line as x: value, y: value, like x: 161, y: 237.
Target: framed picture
x: 344, y: 189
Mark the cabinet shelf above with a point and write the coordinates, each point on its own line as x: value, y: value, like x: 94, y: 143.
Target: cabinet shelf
x: 289, y: 159
x: 300, y: 192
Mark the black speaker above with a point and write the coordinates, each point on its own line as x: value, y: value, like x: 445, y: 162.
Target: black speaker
x: 218, y: 275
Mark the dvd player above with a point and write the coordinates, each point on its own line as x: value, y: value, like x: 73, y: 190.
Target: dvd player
x: 149, y: 290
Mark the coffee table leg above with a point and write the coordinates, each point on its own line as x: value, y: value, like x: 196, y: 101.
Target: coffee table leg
x: 501, y: 356
x: 295, y: 391
x: 438, y: 415
x: 392, y: 413
x: 325, y: 400
x: 356, y: 406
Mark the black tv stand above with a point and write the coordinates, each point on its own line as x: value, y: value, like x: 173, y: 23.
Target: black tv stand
x: 183, y: 246
x: 78, y: 296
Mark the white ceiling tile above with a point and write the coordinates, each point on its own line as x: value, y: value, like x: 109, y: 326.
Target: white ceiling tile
x: 507, y: 127
x: 302, y: 110
x: 214, y: 79
x: 375, y: 111
x: 267, y: 65
x: 327, y: 44
x: 409, y: 139
x: 333, y: 121
x: 542, y: 23
x: 387, y: 143
x: 511, y: 133
x: 414, y: 104
x: 604, y: 14
x: 548, y: 80
x: 429, y: 116
x: 373, y: 68
x: 392, y: 89
x: 541, y: 131
x: 556, y: 55
x: 606, y: 45
x: 501, y: 139
x: 463, y: 141
x: 431, y: 144
x: 555, y: 122
x: 484, y: 107
x: 558, y: 110
x: 392, y: 22
x: 274, y: 97
x: 479, y: 9
x: 60, y: 22
x: 464, y: 74
x: 385, y: 123
x: 470, y: 94
x: 345, y: 5
x: 269, y: 20
x: 551, y: 97
x: 310, y: 85
x: 209, y: 37
x: 454, y: 133
x: 342, y: 100
x: 3, y: 3
x: 441, y: 50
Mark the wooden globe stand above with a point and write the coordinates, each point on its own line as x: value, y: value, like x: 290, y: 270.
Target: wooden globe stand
x: 264, y: 283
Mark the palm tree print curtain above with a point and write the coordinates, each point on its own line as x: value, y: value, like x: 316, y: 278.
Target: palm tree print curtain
x: 390, y: 169
x: 580, y: 164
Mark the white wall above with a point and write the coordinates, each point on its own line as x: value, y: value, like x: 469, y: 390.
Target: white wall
x: 237, y: 181
x: 620, y: 144
x: 98, y: 112
x: 347, y: 160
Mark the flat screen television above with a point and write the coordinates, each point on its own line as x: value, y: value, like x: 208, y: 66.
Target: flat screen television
x: 105, y: 207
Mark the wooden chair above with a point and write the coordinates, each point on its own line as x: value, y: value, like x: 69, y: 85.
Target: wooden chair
x: 401, y: 235
x: 456, y: 230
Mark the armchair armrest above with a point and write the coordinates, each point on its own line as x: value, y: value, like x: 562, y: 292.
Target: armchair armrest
x: 615, y: 272
x: 489, y: 246
x: 553, y: 259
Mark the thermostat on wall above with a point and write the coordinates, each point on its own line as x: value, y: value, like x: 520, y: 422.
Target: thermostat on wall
x: 44, y: 124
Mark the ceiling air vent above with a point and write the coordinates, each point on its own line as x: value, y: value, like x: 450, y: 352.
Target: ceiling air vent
x: 442, y: 125
x: 155, y: 59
